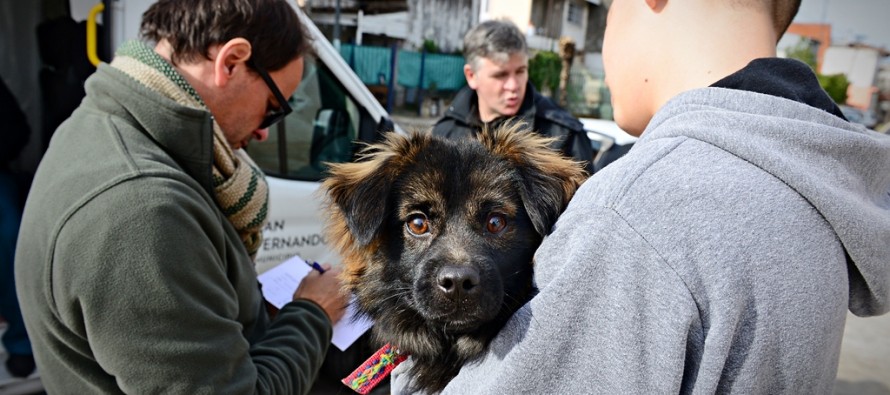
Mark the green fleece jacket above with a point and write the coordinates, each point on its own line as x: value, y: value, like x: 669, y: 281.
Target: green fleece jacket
x: 130, y: 278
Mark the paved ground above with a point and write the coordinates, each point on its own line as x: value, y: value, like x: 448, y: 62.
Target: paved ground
x: 865, y: 357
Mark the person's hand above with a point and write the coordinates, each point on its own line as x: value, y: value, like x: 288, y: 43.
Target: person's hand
x: 324, y: 289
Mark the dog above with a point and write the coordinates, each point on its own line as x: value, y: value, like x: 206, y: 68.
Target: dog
x: 438, y: 236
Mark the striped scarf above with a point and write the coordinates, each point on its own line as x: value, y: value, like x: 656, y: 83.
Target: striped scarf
x: 239, y: 186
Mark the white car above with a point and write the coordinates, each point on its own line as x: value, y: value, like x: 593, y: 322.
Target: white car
x: 609, y: 141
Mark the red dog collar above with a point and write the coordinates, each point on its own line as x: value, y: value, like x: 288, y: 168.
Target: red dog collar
x: 374, y: 369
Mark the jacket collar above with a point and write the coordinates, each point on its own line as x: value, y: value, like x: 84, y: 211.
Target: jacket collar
x: 465, y: 108
x: 785, y: 78
x: 186, y: 134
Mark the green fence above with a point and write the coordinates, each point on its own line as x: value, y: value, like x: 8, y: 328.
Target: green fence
x: 414, y: 69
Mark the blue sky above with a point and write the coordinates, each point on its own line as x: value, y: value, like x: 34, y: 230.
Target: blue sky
x: 866, y: 21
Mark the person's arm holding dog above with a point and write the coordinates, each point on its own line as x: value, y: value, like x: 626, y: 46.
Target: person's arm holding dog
x: 722, y: 253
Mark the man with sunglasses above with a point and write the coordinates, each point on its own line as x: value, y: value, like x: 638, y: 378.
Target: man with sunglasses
x: 134, y: 261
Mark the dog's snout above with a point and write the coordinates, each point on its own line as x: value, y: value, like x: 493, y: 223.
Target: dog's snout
x: 457, y: 281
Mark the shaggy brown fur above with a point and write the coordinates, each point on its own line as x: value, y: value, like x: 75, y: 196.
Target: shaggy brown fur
x: 438, y: 236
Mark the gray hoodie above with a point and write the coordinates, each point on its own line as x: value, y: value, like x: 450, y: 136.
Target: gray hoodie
x: 720, y: 255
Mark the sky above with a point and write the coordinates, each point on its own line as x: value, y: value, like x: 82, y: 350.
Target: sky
x: 866, y: 21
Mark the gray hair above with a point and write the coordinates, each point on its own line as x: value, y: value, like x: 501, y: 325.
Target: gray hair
x: 493, y: 39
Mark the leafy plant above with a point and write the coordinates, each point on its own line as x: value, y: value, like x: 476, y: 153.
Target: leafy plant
x: 836, y: 85
x: 803, y: 51
x: 430, y: 46
x: 543, y: 70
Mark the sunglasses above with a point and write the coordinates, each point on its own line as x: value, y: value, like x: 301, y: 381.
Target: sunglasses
x: 272, y: 116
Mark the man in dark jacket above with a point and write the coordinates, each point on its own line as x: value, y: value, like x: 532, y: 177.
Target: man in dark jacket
x: 498, y: 90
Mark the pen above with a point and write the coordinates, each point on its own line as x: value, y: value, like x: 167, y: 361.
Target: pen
x: 316, y: 266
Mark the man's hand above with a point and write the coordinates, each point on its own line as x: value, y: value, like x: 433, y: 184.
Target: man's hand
x: 324, y: 289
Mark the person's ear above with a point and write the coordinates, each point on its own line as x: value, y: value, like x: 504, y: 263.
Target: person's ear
x: 231, y: 59
x: 471, y: 76
x: 656, y: 5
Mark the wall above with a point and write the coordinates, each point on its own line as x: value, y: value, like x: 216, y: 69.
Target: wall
x: 442, y: 21
x: 816, y: 31
x: 518, y: 11
x: 596, y: 27
x: 577, y: 31
x: 860, y: 65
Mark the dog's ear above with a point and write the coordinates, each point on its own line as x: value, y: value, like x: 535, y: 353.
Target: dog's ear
x: 357, y: 192
x: 547, y: 179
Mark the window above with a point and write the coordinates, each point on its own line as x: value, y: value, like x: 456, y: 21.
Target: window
x: 323, y: 128
x: 575, y: 13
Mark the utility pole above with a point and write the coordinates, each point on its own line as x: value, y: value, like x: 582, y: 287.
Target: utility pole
x: 566, y: 54
x: 336, y: 39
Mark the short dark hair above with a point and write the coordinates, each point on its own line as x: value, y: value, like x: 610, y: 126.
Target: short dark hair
x: 782, y: 11
x: 193, y: 26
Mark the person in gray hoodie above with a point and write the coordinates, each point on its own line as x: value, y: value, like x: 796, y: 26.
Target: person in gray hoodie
x: 721, y: 254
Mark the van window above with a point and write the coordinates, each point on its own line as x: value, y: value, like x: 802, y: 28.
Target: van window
x: 323, y: 128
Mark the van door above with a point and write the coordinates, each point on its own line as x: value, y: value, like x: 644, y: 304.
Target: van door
x: 333, y: 114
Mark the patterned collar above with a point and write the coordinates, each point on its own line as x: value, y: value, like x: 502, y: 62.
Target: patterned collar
x: 143, y: 53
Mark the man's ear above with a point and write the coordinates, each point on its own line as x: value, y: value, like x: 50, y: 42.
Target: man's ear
x: 471, y: 76
x: 231, y: 58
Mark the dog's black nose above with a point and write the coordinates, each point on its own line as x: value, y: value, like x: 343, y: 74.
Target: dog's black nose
x: 457, y: 281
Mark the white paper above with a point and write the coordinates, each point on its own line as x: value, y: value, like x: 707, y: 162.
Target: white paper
x: 348, y: 329
x: 279, y: 284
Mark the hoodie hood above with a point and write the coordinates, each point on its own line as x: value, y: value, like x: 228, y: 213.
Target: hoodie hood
x: 841, y: 169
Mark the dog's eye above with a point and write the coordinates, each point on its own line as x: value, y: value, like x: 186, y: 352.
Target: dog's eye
x: 417, y: 224
x: 495, y: 223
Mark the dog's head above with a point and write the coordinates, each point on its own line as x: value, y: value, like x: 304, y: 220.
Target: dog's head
x: 445, y: 230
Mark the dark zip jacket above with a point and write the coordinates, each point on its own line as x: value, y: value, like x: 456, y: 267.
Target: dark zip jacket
x: 542, y: 114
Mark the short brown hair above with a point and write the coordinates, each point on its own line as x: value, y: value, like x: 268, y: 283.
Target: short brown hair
x: 193, y: 26
x: 784, y: 12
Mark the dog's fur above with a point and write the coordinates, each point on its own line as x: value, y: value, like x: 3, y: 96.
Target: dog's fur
x: 418, y: 221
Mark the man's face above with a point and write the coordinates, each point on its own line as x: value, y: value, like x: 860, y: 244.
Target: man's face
x: 245, y: 105
x: 500, y: 86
